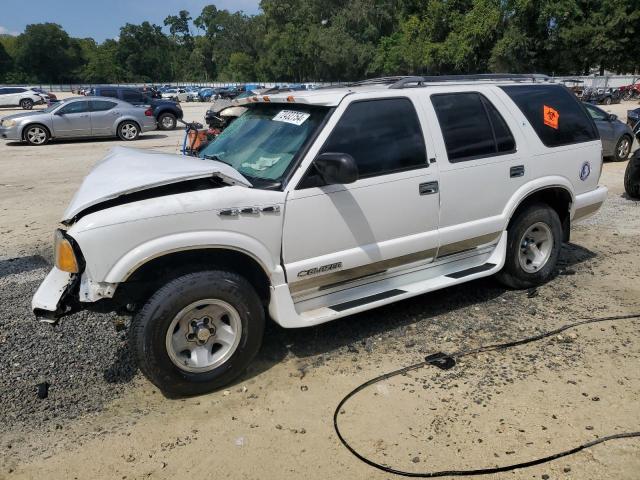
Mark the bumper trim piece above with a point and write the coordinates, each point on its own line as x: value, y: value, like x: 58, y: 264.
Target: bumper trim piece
x: 56, y: 297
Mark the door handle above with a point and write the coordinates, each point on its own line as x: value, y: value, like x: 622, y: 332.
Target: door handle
x: 428, y: 188
x: 517, y: 171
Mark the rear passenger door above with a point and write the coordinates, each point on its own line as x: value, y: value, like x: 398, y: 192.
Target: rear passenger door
x: 103, y: 115
x: 480, y: 167
x: 387, y: 220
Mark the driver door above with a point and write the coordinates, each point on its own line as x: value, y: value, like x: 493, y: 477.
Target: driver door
x: 386, y: 220
x: 72, y: 120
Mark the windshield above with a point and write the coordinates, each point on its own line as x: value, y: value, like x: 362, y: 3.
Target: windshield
x: 262, y: 143
x: 51, y: 107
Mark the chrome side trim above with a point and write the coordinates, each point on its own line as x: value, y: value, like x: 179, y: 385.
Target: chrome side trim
x: 468, y: 244
x: 341, y: 277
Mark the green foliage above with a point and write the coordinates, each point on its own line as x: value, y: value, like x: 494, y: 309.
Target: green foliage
x: 328, y: 40
x: 45, y: 52
x: 6, y: 62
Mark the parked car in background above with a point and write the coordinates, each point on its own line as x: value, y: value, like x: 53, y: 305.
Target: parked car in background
x: 151, y: 91
x: 51, y: 96
x: 616, y: 137
x: 206, y: 94
x: 79, y: 117
x: 22, y: 97
x: 166, y: 112
x: 630, y: 91
x: 175, y: 94
x: 602, y: 96
x: 229, y: 93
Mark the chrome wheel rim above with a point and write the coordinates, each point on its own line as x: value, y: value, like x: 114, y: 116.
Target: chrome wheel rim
x: 624, y: 148
x: 535, y: 247
x: 27, y: 105
x: 167, y: 122
x: 203, y: 335
x: 36, y: 135
x: 129, y: 131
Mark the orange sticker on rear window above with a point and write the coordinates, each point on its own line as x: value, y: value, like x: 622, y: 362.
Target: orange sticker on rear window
x: 551, y: 117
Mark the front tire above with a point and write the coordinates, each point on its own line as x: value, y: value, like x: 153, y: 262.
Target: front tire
x: 198, y: 333
x: 36, y: 135
x: 534, y: 239
x: 623, y: 148
x: 632, y: 177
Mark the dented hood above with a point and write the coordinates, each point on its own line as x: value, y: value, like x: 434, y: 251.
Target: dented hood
x: 128, y: 170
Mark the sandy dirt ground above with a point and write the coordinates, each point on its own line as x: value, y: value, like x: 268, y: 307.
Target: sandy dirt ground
x: 489, y: 410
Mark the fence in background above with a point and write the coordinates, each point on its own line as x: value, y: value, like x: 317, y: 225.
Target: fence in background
x: 605, y: 81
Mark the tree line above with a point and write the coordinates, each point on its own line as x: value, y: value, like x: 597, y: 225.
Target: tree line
x: 339, y: 40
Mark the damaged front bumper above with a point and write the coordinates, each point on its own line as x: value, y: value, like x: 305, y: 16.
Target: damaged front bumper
x: 57, y: 296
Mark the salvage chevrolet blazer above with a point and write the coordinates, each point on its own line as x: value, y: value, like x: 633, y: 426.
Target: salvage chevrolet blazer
x: 320, y: 204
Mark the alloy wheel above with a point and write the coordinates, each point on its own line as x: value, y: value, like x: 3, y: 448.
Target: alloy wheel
x: 36, y: 135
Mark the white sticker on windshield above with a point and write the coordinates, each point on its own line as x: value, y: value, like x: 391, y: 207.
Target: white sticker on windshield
x: 291, y: 116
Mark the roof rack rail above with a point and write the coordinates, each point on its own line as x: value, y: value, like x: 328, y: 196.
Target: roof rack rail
x: 373, y: 81
x: 419, y: 81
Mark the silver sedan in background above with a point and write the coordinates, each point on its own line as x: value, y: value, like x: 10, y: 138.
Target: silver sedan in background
x: 77, y: 118
x: 616, y: 137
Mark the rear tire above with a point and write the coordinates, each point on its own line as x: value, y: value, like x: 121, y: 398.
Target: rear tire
x: 128, y: 131
x: 632, y: 177
x: 26, y: 104
x: 170, y: 336
x: 623, y: 148
x: 167, y: 121
x: 534, y: 239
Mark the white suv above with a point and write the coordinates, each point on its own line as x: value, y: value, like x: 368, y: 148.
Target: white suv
x: 23, y: 97
x: 320, y: 204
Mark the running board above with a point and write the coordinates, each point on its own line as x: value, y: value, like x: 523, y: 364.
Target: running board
x: 364, y: 300
x: 471, y: 271
x: 375, y: 293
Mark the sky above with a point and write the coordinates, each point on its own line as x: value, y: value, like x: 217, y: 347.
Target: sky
x: 102, y: 19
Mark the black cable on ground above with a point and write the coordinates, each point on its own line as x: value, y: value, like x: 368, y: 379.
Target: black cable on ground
x: 445, y: 362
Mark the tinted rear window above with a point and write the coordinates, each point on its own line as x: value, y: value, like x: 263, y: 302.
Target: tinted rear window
x: 471, y: 126
x: 554, y: 113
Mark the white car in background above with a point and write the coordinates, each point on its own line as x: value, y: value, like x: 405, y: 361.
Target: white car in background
x: 177, y: 94
x: 22, y: 97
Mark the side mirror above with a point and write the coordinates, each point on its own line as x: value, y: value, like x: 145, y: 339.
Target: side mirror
x: 59, y: 112
x: 612, y: 117
x: 336, y: 168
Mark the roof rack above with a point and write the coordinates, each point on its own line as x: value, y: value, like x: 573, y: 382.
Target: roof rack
x: 404, y: 82
x: 401, y: 81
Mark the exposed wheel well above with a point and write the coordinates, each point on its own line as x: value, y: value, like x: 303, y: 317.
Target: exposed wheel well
x: 26, y: 127
x: 557, y: 198
x: 149, y: 277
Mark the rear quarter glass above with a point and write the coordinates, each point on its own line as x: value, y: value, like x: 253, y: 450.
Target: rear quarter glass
x: 555, y: 114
